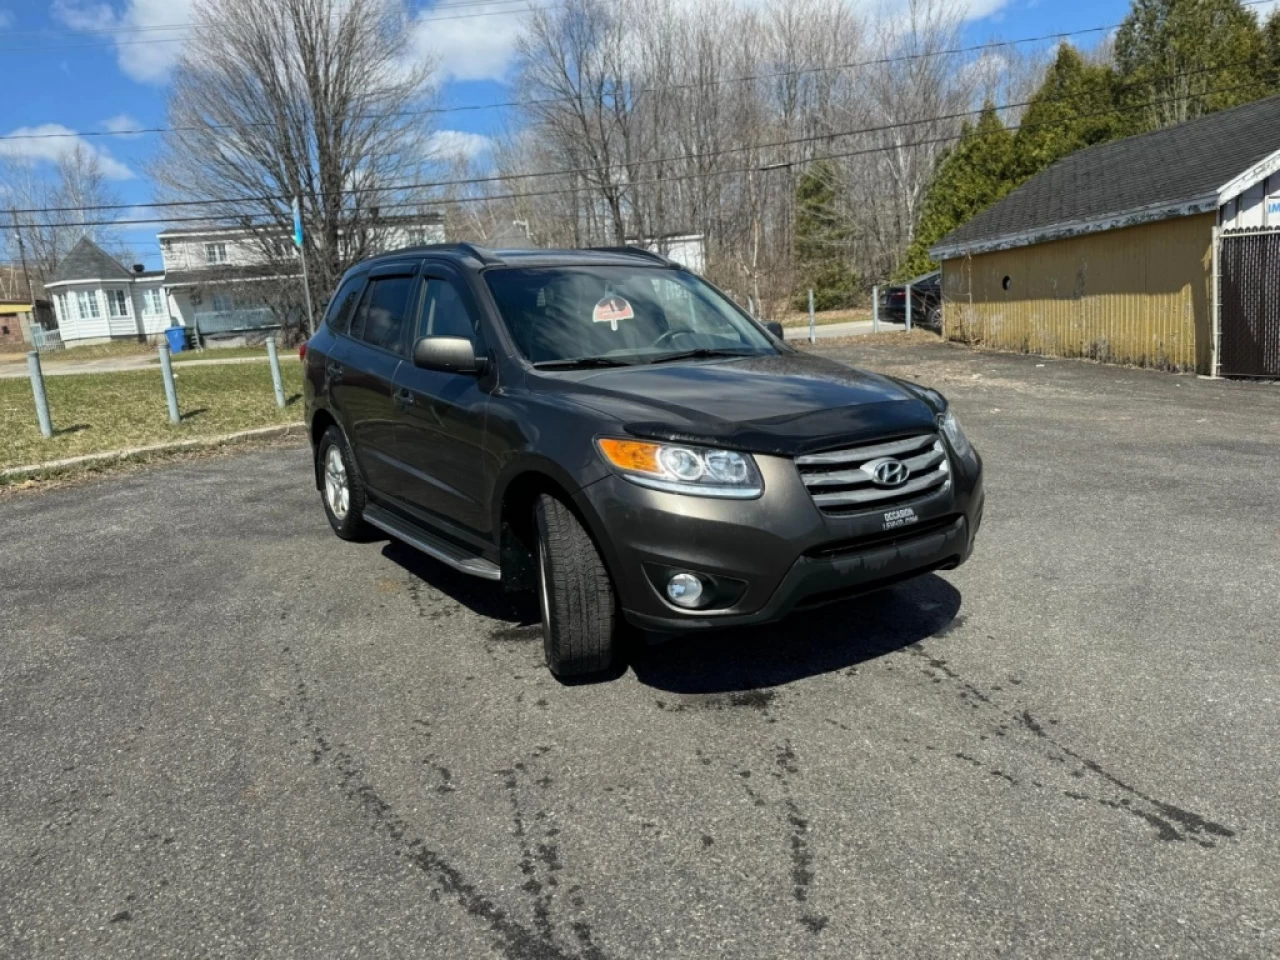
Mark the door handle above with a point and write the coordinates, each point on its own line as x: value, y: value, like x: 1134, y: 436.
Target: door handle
x: 333, y: 371
x: 404, y: 397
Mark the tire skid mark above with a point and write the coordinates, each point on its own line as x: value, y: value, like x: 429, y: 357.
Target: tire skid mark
x: 1171, y: 823
x: 542, y: 857
x: 792, y: 818
x: 515, y: 941
x: 802, y: 859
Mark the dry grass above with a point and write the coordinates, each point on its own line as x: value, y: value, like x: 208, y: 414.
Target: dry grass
x: 829, y: 316
x: 102, y: 412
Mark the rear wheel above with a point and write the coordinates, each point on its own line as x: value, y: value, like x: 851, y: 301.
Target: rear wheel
x: 340, y: 486
x: 580, y: 630
x: 935, y: 319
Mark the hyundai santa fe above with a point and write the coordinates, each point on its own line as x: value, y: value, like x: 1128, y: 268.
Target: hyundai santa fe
x: 609, y: 431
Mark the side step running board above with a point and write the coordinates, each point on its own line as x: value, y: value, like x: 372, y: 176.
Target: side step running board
x: 437, y: 547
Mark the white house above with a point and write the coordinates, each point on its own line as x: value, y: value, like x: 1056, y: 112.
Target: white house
x: 96, y: 298
x: 216, y: 280
x: 221, y: 280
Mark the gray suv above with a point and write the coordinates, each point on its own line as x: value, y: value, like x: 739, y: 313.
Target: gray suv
x: 609, y: 431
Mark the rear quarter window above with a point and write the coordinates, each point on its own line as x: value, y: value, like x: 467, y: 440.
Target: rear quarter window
x: 343, y: 303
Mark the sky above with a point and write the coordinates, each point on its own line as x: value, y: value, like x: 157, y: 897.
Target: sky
x: 103, y: 65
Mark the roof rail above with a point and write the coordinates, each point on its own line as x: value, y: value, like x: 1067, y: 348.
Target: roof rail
x: 485, y: 256
x: 638, y: 252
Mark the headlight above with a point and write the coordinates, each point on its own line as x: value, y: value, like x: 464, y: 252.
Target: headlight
x: 951, y: 427
x: 677, y: 468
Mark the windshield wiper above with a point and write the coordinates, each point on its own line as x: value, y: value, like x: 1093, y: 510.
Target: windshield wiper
x: 573, y: 362
x: 702, y: 352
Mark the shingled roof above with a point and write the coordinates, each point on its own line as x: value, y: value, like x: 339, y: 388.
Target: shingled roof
x: 1177, y: 171
x: 88, y: 261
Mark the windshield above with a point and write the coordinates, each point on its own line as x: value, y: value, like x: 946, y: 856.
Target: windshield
x: 560, y: 315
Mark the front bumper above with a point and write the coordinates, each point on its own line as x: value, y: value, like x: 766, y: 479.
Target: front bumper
x: 788, y: 553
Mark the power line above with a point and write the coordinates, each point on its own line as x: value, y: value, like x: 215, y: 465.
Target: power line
x: 131, y: 43
x: 662, y: 88
x: 651, y: 161
x: 562, y: 191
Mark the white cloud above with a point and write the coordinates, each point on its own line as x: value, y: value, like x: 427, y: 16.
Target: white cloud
x: 474, y: 48
x: 447, y: 144
x: 35, y: 145
x: 122, y: 125
x: 146, y: 62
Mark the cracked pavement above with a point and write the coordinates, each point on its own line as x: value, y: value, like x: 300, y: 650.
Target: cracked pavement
x: 225, y: 733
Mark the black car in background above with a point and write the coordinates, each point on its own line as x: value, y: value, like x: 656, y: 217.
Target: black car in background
x: 608, y: 431
x: 926, y: 302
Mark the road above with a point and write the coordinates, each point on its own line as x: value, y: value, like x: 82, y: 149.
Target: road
x: 228, y: 734
x: 831, y: 331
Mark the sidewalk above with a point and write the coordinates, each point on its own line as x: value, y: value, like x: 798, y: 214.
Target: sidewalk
x: 144, y: 361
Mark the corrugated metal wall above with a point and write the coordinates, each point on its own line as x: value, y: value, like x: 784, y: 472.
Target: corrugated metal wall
x: 1136, y: 295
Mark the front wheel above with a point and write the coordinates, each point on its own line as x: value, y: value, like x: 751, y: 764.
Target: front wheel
x: 579, y: 610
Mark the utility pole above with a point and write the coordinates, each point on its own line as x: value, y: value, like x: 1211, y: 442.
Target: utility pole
x: 22, y: 255
x: 300, y: 241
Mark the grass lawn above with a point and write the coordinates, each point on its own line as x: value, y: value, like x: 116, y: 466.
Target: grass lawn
x: 101, y: 412
x: 97, y: 351
x: 231, y: 353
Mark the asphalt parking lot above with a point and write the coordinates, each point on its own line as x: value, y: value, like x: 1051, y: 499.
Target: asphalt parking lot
x: 225, y: 733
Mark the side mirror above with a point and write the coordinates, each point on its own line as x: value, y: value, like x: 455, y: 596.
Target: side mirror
x: 449, y: 354
x: 774, y: 327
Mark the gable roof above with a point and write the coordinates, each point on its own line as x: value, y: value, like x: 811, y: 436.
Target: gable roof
x: 88, y: 261
x: 1177, y: 171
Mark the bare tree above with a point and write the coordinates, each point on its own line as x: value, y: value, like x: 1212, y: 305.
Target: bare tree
x: 314, y: 99
x: 61, y: 203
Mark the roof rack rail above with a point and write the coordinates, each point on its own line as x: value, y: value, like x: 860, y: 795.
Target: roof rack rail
x: 485, y: 256
x: 638, y: 252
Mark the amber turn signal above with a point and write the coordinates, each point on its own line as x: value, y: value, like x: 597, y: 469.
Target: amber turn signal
x: 632, y: 455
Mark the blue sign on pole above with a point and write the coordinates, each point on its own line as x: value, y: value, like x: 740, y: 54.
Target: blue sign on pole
x: 297, y: 223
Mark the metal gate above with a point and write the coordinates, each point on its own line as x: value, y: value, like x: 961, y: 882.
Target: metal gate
x: 1249, y: 304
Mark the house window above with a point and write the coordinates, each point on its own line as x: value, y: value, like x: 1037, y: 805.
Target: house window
x: 87, y: 304
x: 222, y: 303
x: 215, y: 253
x: 153, y: 302
x: 118, y: 303
x: 417, y: 236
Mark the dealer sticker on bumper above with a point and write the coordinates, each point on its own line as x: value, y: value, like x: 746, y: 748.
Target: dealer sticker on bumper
x: 900, y: 518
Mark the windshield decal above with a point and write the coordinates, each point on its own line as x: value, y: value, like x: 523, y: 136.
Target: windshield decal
x: 612, y: 309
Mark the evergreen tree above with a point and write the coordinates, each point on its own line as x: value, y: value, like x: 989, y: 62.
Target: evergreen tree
x: 974, y: 175
x: 1271, y: 51
x: 821, y: 243
x: 1074, y: 108
x: 1188, y: 58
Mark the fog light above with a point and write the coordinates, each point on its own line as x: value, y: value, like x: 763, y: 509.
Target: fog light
x: 684, y: 590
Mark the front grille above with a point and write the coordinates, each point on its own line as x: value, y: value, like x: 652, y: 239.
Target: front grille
x: 841, y: 481
x: 892, y: 538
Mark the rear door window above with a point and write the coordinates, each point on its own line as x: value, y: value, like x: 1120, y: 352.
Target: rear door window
x: 380, y: 319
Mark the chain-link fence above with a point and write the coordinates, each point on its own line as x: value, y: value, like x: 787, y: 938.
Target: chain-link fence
x: 1249, y: 265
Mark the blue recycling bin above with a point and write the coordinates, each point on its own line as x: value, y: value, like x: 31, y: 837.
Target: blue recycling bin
x: 177, y: 337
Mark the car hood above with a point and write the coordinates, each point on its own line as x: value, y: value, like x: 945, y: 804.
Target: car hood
x: 785, y: 404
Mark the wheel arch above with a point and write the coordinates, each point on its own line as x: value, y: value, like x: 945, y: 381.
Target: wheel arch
x: 514, y: 501
x: 321, y: 421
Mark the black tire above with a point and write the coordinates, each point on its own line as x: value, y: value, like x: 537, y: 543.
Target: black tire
x: 580, y: 632
x: 935, y: 319
x: 348, y: 525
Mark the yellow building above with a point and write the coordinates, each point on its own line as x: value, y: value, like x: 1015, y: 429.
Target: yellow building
x: 1110, y: 253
